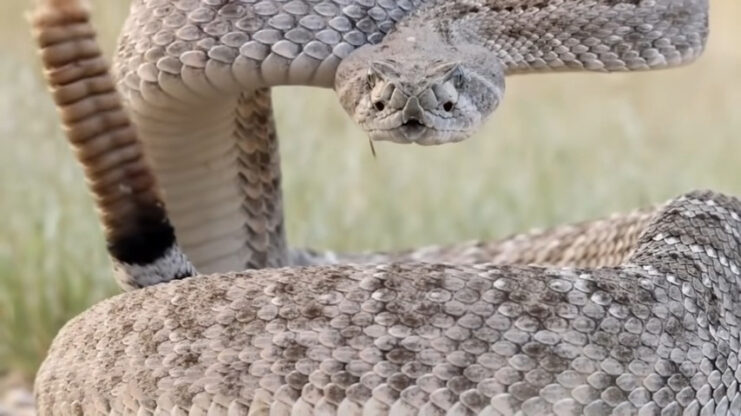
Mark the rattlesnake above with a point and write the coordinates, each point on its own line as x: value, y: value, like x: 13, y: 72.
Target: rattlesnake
x: 195, y: 75
x: 658, y: 333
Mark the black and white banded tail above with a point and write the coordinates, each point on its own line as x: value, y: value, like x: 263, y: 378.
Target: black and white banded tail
x: 139, y: 236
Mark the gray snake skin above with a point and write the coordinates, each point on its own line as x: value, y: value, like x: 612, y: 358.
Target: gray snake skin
x: 187, y: 67
x: 649, y: 328
x: 658, y: 335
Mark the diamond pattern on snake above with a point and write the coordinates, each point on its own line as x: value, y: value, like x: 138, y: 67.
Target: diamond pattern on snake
x: 195, y: 73
x: 651, y: 328
x: 658, y: 334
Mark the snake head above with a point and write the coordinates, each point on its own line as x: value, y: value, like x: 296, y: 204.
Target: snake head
x: 424, y: 101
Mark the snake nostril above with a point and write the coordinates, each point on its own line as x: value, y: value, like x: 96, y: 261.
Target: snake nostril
x: 448, y: 106
x: 379, y: 105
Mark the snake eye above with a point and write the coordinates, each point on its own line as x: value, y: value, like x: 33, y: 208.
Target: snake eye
x: 448, y: 106
x: 379, y: 105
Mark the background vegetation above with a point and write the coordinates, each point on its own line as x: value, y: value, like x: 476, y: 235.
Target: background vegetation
x: 561, y: 148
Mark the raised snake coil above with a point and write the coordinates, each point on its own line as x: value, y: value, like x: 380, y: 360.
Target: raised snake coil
x: 658, y: 334
x: 184, y: 65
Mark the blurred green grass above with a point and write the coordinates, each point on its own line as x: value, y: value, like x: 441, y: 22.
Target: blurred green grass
x: 561, y: 148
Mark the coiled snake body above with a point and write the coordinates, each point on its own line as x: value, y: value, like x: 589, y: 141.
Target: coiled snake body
x: 655, y: 331
x: 194, y: 73
x: 658, y: 334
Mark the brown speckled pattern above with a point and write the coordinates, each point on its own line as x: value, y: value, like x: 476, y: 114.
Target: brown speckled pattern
x: 657, y: 335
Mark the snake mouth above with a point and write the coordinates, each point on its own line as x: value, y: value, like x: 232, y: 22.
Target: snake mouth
x: 412, y: 129
x: 416, y: 132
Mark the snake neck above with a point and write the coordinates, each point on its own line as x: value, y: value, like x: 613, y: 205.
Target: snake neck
x: 219, y: 170
x: 183, y: 67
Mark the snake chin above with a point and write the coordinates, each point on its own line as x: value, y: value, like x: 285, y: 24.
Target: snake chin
x: 418, y: 133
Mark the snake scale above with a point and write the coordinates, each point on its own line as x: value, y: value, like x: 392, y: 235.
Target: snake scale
x: 657, y: 335
x: 195, y: 75
x: 654, y: 331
